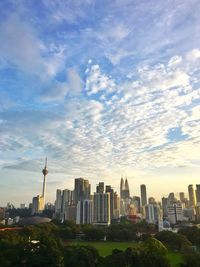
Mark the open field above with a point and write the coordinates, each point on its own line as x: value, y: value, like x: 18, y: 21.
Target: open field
x: 105, y: 248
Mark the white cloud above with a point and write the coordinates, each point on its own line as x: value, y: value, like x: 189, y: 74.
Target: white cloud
x: 97, y: 82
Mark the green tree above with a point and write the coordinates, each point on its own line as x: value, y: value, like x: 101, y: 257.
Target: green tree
x: 81, y: 256
x: 174, y: 241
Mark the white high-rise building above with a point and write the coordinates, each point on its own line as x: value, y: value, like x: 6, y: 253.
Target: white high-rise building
x: 175, y: 213
x: 102, y: 208
x: 84, y: 212
x: 152, y: 213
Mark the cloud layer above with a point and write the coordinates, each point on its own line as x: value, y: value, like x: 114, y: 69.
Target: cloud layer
x: 102, y: 95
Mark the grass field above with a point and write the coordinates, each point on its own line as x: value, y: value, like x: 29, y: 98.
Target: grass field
x: 105, y: 248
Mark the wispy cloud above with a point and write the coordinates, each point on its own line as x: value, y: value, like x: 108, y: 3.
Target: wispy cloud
x: 101, y: 88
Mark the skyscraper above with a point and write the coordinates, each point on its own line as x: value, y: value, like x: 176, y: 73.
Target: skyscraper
x: 153, y: 213
x: 124, y: 189
x: 127, y: 192
x: 100, y: 187
x: 58, y: 203
x: 37, y: 205
x: 111, y: 191
x: 192, y: 195
x: 63, y: 200
x: 198, y: 193
x: 143, y: 194
x: 102, y: 208
x: 81, y: 190
x: 182, y: 196
x: 84, y: 212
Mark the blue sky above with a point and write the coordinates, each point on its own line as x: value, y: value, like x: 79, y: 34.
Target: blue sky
x: 104, y: 89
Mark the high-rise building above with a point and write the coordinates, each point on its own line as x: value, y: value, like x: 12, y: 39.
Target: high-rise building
x: 81, y: 190
x: 102, y: 208
x: 84, y: 212
x: 164, y: 207
x: 127, y: 192
x: 192, y: 195
x: 58, y: 203
x: 182, y: 196
x: 153, y: 213
x: 116, y: 212
x: 37, y: 205
x: 198, y: 193
x: 70, y: 213
x: 143, y: 194
x: 63, y: 200
x: 66, y: 199
x: 100, y: 188
x: 111, y: 191
x: 152, y: 200
x: 175, y: 212
x: 136, y: 203
x: 171, y: 199
x: 124, y: 189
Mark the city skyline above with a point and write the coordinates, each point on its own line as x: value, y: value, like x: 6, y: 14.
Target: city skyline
x: 103, y: 89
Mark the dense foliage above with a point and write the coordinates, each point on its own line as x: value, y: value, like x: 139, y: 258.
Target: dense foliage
x: 49, y: 244
x: 39, y: 246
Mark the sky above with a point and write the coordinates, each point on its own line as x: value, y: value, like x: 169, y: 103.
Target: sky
x: 104, y: 89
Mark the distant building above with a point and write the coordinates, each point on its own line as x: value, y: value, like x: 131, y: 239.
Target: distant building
x: 198, y: 194
x: 182, y: 196
x: 37, y: 205
x: 84, y: 212
x: 116, y: 212
x: 192, y: 195
x: 143, y: 194
x: 81, y: 190
x: 102, y: 208
x: 175, y: 213
x: 152, y: 200
x: 2, y: 214
x: 189, y: 213
x: 124, y: 189
x: 136, y: 203
x: 153, y: 213
x: 70, y: 213
x: 63, y: 200
x: 164, y: 207
x: 100, y: 188
x: 111, y: 191
x: 22, y: 206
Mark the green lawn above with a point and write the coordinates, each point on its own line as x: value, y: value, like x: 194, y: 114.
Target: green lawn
x: 105, y: 248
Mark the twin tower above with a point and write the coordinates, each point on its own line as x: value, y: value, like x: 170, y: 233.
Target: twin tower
x: 124, y: 189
